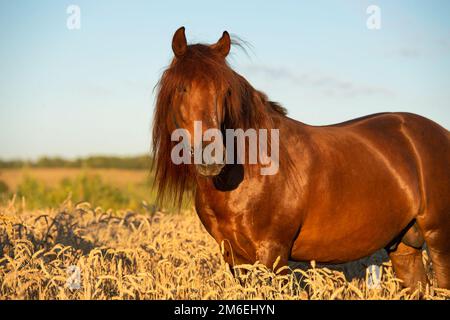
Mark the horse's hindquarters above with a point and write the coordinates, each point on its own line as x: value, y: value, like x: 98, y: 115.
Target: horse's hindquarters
x: 432, y: 143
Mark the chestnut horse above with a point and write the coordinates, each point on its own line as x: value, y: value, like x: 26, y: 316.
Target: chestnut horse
x: 342, y: 191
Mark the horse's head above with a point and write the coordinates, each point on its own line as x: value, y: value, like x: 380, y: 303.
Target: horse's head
x: 200, y: 88
x: 197, y: 85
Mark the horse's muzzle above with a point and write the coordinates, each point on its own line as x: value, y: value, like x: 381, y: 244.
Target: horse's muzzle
x: 209, y: 170
x: 211, y: 166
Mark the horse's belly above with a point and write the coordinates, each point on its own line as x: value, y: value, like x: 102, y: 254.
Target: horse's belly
x: 355, y: 226
x: 308, y: 248
x: 337, y: 240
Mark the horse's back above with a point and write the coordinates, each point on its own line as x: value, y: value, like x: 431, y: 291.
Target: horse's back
x: 417, y: 144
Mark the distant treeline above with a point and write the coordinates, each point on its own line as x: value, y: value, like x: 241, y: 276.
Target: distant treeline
x: 103, y: 162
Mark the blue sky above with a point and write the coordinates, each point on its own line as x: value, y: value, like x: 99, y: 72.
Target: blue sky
x: 89, y: 91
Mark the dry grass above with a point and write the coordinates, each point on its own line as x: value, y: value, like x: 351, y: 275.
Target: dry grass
x: 122, y: 255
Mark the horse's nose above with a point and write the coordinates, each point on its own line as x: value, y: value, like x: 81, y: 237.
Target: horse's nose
x: 210, y: 170
x: 211, y: 165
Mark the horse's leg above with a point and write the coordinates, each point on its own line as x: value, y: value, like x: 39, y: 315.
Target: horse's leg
x: 441, y: 266
x: 434, y: 223
x: 408, y: 265
x: 438, y: 243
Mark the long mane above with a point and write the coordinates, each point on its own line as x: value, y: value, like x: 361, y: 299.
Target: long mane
x: 244, y: 106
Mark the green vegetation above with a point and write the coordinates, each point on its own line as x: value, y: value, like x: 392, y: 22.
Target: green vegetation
x: 87, y: 186
x: 105, y: 162
x: 4, y: 190
x: 3, y: 187
x: 48, y: 182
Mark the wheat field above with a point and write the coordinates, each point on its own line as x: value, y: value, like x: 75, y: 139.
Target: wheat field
x: 154, y: 255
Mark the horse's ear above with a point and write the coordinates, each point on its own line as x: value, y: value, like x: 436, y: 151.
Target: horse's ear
x: 179, y: 43
x: 223, y: 46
